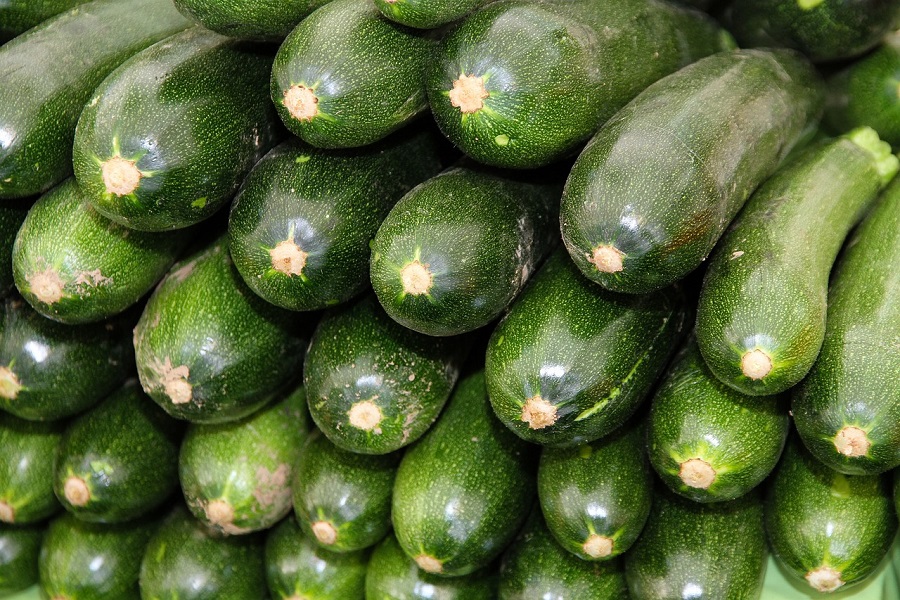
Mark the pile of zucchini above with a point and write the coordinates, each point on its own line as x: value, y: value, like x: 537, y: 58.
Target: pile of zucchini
x: 408, y: 299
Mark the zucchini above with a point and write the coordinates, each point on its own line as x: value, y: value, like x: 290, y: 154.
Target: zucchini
x: 96, y: 270
x: 26, y: 469
x: 522, y: 83
x: 20, y: 546
x: 456, y: 250
x: 342, y: 499
x: 266, y: 20
x: 825, y: 527
x: 653, y: 191
x: 464, y: 491
x: 118, y: 461
x: 699, y: 551
x: 426, y: 15
x: 374, y: 386
x: 207, y: 348
x: 571, y: 362
x: 595, y: 498
x: 50, y: 371
x: 236, y: 477
x: 168, y: 137
x: 347, y: 77
x: 297, y: 568
x: 18, y: 16
x: 301, y: 225
x: 761, y: 315
x: 392, y: 575
x: 44, y: 84
x: 12, y: 214
x: 707, y: 441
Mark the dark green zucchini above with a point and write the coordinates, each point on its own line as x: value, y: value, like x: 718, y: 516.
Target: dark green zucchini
x: 45, y: 83
x: 266, y: 20
x: 535, y: 566
x: 456, y: 250
x: 342, y: 499
x: 571, y: 362
x: 26, y: 469
x: 12, y: 214
x: 426, y: 15
x: 595, y: 498
x: 653, y: 191
x: 692, y: 551
x: 825, y: 527
x: 97, y: 269
x: 347, y: 77
x: 464, y: 491
x: 20, y: 546
x: 168, y: 137
x: 374, y: 386
x: 89, y: 561
x: 301, y: 225
x: 18, y: 16
x: 185, y: 561
x: 707, y: 441
x: 761, y: 315
x: 522, y: 83
x: 207, y: 348
x: 297, y: 568
x: 392, y: 575
x: 50, y: 371
x: 236, y: 477
x: 119, y: 460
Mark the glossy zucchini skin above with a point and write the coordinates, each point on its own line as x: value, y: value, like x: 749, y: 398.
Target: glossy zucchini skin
x: 464, y: 491
x: 426, y: 15
x: 521, y: 84
x: 264, y: 20
x: 825, y: 527
x: 347, y: 77
x: 209, y: 350
x: 695, y: 551
x: 595, y: 498
x: 18, y: 16
x: 847, y: 410
x: 762, y: 309
x: 168, y: 137
x: 456, y: 250
x: 50, y: 371
x: 12, y: 214
x: 20, y: 546
x: 392, y: 575
x: 96, y: 270
x: 26, y: 469
x: 374, y: 386
x: 571, y: 362
x: 298, y: 568
x: 301, y: 226
x: 708, y: 442
x: 44, y: 85
x: 652, y: 192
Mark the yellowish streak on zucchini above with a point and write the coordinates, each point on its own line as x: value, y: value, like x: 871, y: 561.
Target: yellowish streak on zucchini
x: 7, y: 513
x: 10, y: 386
x: 852, y: 442
x: 365, y: 415
x: 120, y: 176
x: 288, y: 258
x: 607, y: 259
x: 756, y: 364
x: 539, y: 413
x: 325, y: 532
x: 824, y: 579
x: 697, y: 473
x: 809, y: 4
x: 598, y: 546
x: 429, y: 564
x: 417, y: 278
x: 468, y: 93
x: 76, y: 491
x: 47, y: 286
x: 301, y: 102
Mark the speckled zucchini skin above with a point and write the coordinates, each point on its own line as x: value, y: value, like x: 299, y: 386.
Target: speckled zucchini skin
x: 20, y: 546
x: 535, y: 566
x: 266, y: 20
x: 26, y: 469
x: 694, y: 416
x: 328, y: 204
x: 587, y: 356
x: 374, y: 386
x: 552, y: 72
x: 208, y: 349
x: 426, y: 15
x: 823, y: 30
x: 96, y: 269
x: 297, y: 568
x: 88, y: 561
x: 18, y: 16
x: 12, y: 214
x: 464, y: 491
x: 192, y: 115
x: 392, y: 575
x: 343, y: 499
x: 599, y: 489
x: 766, y: 286
x: 365, y: 73
x: 236, y: 477
x: 50, y: 371
x: 479, y: 237
x: 44, y: 85
x: 692, y: 551
x: 185, y: 561
x: 817, y: 517
x: 663, y: 178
